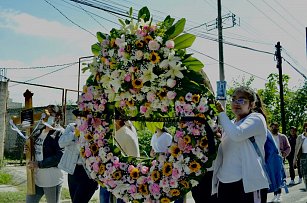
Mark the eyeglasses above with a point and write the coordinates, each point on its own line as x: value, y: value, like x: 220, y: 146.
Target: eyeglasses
x: 239, y: 101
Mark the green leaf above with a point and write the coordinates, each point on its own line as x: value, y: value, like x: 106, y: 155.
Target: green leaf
x: 96, y: 49
x: 122, y: 22
x: 168, y: 21
x: 100, y: 36
x: 176, y: 29
x: 184, y: 41
x: 144, y: 13
x: 151, y: 126
x: 193, y: 64
x: 130, y: 11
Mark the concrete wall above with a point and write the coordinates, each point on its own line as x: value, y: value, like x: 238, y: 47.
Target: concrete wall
x: 3, y: 105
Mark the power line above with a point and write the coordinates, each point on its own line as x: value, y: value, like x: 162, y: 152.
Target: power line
x: 281, y: 16
x: 68, y: 18
x: 295, y: 68
x: 272, y: 20
x: 228, y: 64
x: 41, y: 67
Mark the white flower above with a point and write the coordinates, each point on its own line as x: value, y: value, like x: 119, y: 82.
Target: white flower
x: 148, y: 75
x: 175, y: 71
x: 171, y: 61
x: 171, y: 82
x: 139, y: 55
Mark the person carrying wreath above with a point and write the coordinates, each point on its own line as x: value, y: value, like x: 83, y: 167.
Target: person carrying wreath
x: 238, y: 175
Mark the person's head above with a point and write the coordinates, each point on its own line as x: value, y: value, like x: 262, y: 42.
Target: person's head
x: 274, y: 128
x: 293, y: 131
x: 243, y: 101
x: 305, y: 127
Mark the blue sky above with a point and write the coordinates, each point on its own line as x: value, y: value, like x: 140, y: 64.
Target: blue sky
x: 34, y: 33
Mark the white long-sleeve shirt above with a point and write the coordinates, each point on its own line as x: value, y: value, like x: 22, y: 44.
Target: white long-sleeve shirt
x: 237, y: 158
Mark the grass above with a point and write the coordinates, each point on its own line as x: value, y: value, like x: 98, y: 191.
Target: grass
x: 20, y: 195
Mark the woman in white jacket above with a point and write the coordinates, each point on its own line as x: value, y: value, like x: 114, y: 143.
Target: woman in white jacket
x: 238, y: 174
x: 81, y: 187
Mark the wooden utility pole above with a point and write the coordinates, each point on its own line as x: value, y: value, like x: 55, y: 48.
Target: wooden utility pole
x: 28, y: 115
x: 281, y: 87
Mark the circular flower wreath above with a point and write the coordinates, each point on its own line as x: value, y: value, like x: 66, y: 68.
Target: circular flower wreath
x: 142, y: 72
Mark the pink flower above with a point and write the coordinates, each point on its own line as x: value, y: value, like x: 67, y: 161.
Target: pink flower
x: 132, y: 189
x: 127, y: 78
x: 164, y: 109
x: 154, y: 189
x: 153, y: 45
x: 202, y: 108
x: 122, y: 103
x: 179, y: 133
x: 171, y: 95
x: 195, y: 131
x: 144, y: 169
x: 171, y: 82
x: 130, y: 168
x: 170, y: 44
x: 175, y: 173
x: 143, y: 109
x: 96, y: 167
x: 87, y: 152
x: 150, y: 96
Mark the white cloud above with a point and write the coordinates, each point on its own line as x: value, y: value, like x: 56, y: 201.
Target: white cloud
x: 24, y: 23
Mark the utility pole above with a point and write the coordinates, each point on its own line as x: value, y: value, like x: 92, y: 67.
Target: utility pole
x: 281, y: 86
x: 229, y: 20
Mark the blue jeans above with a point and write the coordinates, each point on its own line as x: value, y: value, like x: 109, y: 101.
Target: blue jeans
x: 104, y: 196
x: 52, y: 194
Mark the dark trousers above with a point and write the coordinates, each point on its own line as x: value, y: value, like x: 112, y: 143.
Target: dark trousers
x: 291, y: 168
x: 81, y: 187
x: 202, y: 192
x: 234, y: 192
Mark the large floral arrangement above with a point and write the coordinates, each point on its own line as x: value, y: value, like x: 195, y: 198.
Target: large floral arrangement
x: 142, y: 72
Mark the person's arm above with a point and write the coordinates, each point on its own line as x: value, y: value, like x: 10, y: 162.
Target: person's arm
x: 68, y: 136
x: 286, y: 147
x: 251, y: 126
x: 54, y: 160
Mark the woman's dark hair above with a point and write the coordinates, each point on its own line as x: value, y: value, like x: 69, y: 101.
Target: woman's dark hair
x: 259, y: 106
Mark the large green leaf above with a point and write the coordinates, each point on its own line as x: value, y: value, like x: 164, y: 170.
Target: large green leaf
x: 100, y: 36
x: 96, y: 49
x: 184, y: 41
x: 176, y: 29
x: 152, y: 126
x: 193, y: 64
x: 144, y: 13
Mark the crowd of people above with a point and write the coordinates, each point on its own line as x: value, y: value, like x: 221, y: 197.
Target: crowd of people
x: 236, y: 173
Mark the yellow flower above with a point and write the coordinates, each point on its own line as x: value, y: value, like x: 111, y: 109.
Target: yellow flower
x: 130, y: 103
x: 185, y: 184
x: 187, y: 139
x: 182, y: 125
x: 165, y: 200
x: 155, y: 175
x: 154, y: 57
x: 88, y: 136
x: 174, y: 192
x: 135, y: 201
x: 94, y: 148
x: 117, y: 175
x: 175, y: 151
x: 137, y: 83
x: 102, y: 169
x: 112, y: 42
x: 147, y: 38
x: 195, y: 98
x: 203, y: 143
x: 194, y: 166
x: 181, y: 99
x: 77, y: 132
x: 167, y: 169
x: 82, y: 152
x: 162, y: 94
x: 139, y: 44
x: 135, y: 173
x: 128, y: 48
x: 143, y: 189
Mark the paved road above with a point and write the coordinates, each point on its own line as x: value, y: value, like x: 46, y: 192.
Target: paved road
x: 296, y: 193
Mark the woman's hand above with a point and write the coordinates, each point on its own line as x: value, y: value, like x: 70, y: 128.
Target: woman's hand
x: 32, y: 165
x: 219, y: 107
